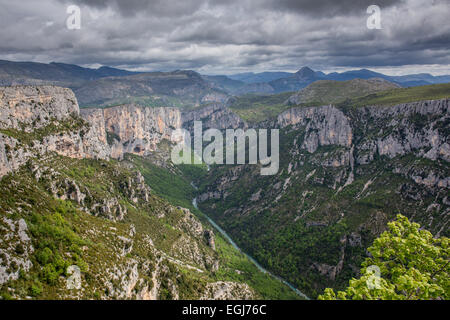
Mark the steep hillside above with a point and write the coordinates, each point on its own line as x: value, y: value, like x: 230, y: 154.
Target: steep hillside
x: 184, y: 89
x: 400, y: 95
x: 328, y: 91
x: 224, y: 83
x: 255, y: 108
x: 251, y: 77
x: 298, y: 80
x: 344, y: 173
x: 32, y: 73
x: 75, y: 224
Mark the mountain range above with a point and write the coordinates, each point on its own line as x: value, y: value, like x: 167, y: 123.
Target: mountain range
x: 14, y: 73
x: 108, y: 86
x: 276, y: 82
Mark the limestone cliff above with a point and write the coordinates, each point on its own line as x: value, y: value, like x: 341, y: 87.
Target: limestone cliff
x: 325, y: 125
x: 419, y: 127
x: 215, y: 115
x: 131, y: 128
x: 64, y: 206
x: 36, y: 120
x: 344, y: 173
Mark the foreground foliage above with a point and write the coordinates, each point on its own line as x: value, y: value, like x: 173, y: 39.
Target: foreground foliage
x: 412, y: 263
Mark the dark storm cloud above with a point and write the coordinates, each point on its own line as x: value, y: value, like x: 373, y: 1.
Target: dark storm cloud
x: 177, y: 7
x: 224, y: 36
x: 330, y: 7
x: 127, y: 8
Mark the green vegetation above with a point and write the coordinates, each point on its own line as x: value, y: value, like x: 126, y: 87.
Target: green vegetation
x: 63, y: 235
x: 73, y: 124
x: 401, y: 95
x: 57, y: 237
x: 174, y: 185
x: 346, y: 94
x: 169, y: 184
x: 413, y: 265
x: 255, y: 108
x: 145, y: 101
x: 325, y: 92
x: 297, y: 230
x: 237, y: 267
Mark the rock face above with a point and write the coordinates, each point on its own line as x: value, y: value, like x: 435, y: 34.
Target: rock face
x: 325, y: 125
x: 36, y: 120
x: 417, y: 127
x: 131, y: 128
x: 15, y: 249
x: 215, y: 115
x: 90, y: 133
x: 224, y: 290
x: 354, y: 168
x: 35, y: 107
x: 95, y: 140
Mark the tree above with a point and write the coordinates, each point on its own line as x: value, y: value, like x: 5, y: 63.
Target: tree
x: 411, y: 263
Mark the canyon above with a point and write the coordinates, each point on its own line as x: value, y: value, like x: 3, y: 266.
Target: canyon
x: 344, y: 172
x: 58, y: 162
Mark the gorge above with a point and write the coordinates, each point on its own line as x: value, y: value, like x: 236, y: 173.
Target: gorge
x: 344, y: 173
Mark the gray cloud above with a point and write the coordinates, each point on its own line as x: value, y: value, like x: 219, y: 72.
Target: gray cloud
x: 330, y: 7
x: 219, y: 36
x: 127, y: 8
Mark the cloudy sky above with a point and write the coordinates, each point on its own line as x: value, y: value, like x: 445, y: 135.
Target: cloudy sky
x: 230, y: 36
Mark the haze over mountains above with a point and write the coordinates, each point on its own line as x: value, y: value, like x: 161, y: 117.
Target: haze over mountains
x: 110, y: 86
x: 29, y: 72
x: 283, y: 81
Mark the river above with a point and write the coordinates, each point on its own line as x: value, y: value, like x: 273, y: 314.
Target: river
x: 261, y: 268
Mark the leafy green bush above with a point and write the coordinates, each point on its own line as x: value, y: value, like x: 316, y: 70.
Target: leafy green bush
x: 412, y: 263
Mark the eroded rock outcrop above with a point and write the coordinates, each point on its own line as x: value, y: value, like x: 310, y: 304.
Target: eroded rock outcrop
x: 36, y: 120
x: 417, y: 127
x: 226, y: 290
x: 215, y: 115
x: 324, y: 125
x: 33, y: 107
x: 15, y: 249
x: 138, y: 130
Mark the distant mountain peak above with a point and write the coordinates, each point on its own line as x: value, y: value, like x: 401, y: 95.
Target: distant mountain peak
x: 106, y: 68
x: 305, y: 70
x: 306, y: 73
